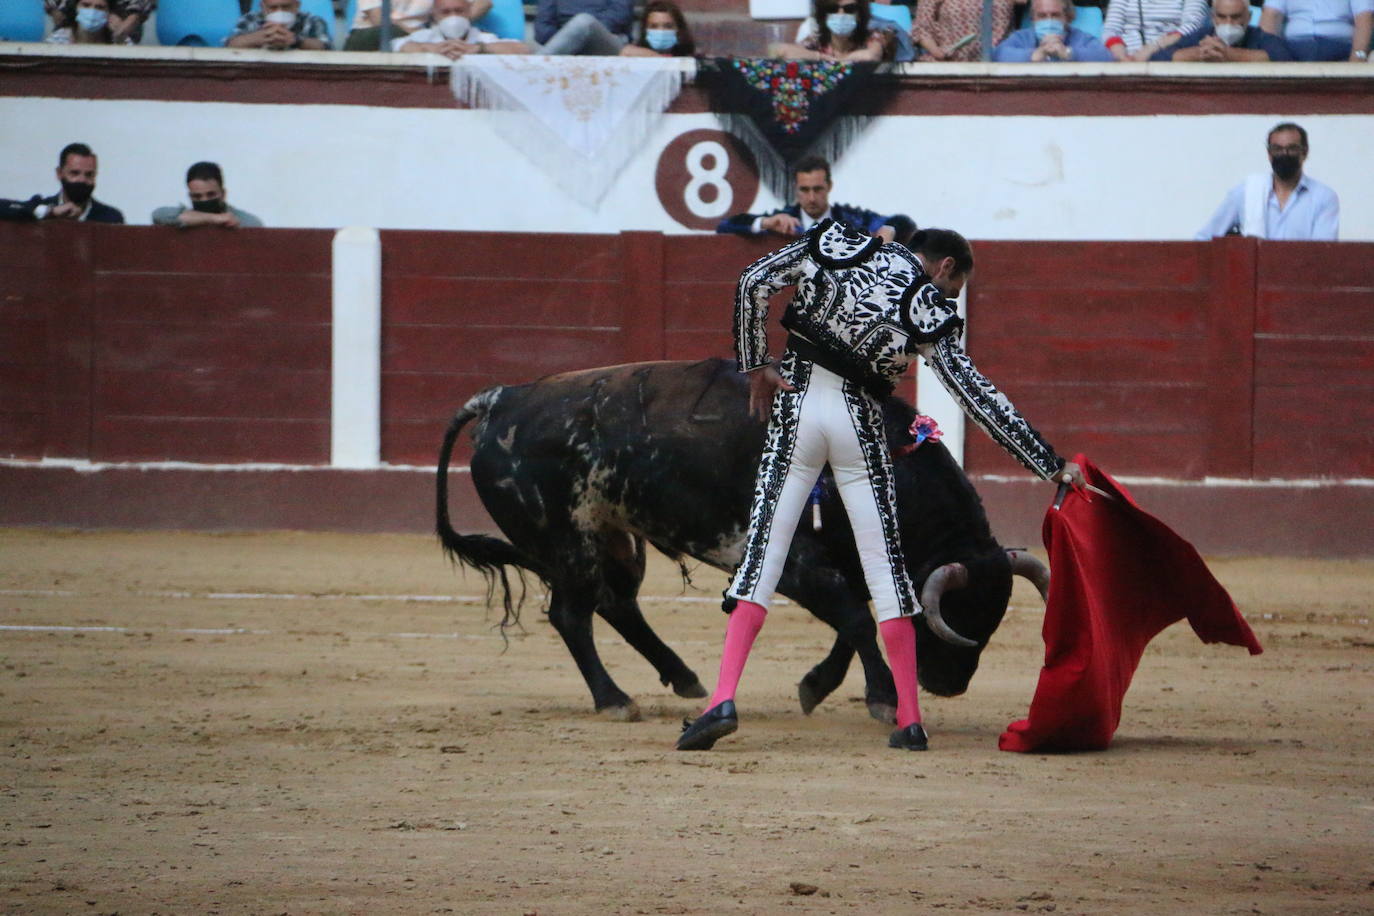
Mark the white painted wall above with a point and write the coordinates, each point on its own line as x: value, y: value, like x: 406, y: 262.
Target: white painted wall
x: 329, y: 166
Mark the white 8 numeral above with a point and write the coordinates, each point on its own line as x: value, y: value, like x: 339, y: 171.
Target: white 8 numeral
x: 702, y: 177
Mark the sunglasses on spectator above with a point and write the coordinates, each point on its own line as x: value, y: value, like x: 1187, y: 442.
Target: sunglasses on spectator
x: 843, y: 8
x: 1285, y: 150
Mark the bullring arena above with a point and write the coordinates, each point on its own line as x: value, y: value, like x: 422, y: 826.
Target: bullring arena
x: 237, y: 674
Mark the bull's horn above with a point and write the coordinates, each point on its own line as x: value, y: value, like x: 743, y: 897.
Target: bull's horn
x: 1023, y: 564
x: 951, y: 575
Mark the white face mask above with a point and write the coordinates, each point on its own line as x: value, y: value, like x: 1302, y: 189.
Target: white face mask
x: 1231, y: 34
x: 91, y: 19
x: 454, y: 27
x: 280, y: 17
x: 841, y: 24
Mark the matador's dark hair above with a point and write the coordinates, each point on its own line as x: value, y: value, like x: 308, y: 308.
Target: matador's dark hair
x: 938, y: 244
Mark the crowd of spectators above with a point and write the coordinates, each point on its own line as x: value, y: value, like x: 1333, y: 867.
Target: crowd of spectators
x: 857, y: 30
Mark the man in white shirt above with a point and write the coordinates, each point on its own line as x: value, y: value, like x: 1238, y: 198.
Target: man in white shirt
x: 450, y: 32
x: 1282, y: 205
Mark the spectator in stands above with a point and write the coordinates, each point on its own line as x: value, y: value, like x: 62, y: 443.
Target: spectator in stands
x: 76, y: 169
x: 279, y: 25
x: 1284, y: 204
x: 209, y: 203
x: 663, y: 32
x: 1138, y: 29
x: 950, y: 29
x: 600, y: 27
x: 124, y: 20
x: 90, y: 25
x: 450, y: 32
x: 1229, y: 37
x: 1321, y: 30
x: 841, y: 30
x: 1050, y: 37
x: 811, y: 180
x: 407, y: 18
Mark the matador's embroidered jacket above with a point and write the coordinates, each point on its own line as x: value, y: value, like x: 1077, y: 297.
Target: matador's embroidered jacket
x: 869, y: 308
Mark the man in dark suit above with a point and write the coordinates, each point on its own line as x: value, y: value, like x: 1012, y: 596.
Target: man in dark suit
x: 811, y: 180
x: 76, y: 168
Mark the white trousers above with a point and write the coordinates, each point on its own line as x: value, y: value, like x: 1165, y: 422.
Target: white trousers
x: 827, y: 419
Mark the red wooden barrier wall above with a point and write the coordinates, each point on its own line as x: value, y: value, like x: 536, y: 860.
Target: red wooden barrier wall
x: 146, y: 344
x: 1170, y: 359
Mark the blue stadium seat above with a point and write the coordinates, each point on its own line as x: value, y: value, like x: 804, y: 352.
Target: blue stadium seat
x: 322, y: 8
x: 196, y: 22
x: 894, y: 13
x: 506, y: 20
x: 22, y: 20
x: 1089, y: 19
x: 1254, y: 17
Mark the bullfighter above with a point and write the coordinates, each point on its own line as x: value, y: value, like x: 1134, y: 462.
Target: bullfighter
x: 861, y: 312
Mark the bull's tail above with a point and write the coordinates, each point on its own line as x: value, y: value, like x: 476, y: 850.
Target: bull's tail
x: 490, y: 556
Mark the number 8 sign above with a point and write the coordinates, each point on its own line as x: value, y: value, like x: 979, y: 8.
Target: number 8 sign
x: 705, y: 175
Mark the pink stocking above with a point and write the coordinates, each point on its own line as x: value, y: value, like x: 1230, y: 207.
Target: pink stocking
x: 899, y: 637
x: 745, y: 622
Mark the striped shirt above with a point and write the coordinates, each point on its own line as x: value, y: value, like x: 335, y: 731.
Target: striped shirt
x: 1139, y: 22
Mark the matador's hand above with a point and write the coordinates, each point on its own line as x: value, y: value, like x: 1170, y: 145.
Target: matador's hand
x: 1070, y: 473
x: 762, y: 383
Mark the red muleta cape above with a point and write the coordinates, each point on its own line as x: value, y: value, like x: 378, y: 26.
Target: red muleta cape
x: 1118, y: 576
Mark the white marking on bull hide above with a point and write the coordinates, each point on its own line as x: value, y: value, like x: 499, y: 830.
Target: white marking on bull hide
x: 508, y: 440
x: 728, y: 551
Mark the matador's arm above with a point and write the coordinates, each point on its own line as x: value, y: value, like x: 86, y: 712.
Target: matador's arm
x: 988, y: 407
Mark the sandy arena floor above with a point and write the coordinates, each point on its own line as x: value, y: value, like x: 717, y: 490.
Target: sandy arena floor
x: 265, y: 724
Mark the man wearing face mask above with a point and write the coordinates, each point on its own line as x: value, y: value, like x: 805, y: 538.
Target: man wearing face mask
x: 76, y: 170
x: 1281, y: 205
x: 1228, y: 37
x: 105, y: 21
x: 450, y: 32
x: 279, y: 25
x: 209, y: 203
x: 89, y: 25
x: 1050, y: 38
x: 862, y: 311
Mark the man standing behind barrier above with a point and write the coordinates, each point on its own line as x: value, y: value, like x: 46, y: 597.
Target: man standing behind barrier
x: 76, y: 170
x: 1286, y: 205
x: 812, y: 183
x: 209, y: 203
x: 862, y: 312
x: 280, y: 26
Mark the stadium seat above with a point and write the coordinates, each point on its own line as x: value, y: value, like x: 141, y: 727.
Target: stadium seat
x: 1255, y: 16
x: 22, y: 20
x: 506, y: 20
x: 196, y: 22
x: 894, y: 13
x: 1089, y: 19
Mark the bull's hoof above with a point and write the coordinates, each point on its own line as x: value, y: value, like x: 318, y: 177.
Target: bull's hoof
x: 809, y: 696
x: 692, y: 691
x: 883, y: 711
x: 629, y: 712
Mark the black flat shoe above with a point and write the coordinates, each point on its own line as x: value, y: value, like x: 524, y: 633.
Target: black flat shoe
x: 708, y: 728
x: 911, y: 738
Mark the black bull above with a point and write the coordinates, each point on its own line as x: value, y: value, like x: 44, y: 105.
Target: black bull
x: 579, y: 470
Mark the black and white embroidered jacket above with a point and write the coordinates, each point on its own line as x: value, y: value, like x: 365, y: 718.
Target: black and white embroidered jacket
x: 870, y: 308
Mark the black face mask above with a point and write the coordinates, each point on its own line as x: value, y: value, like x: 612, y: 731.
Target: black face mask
x: 217, y: 205
x: 1286, y: 167
x: 78, y: 192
